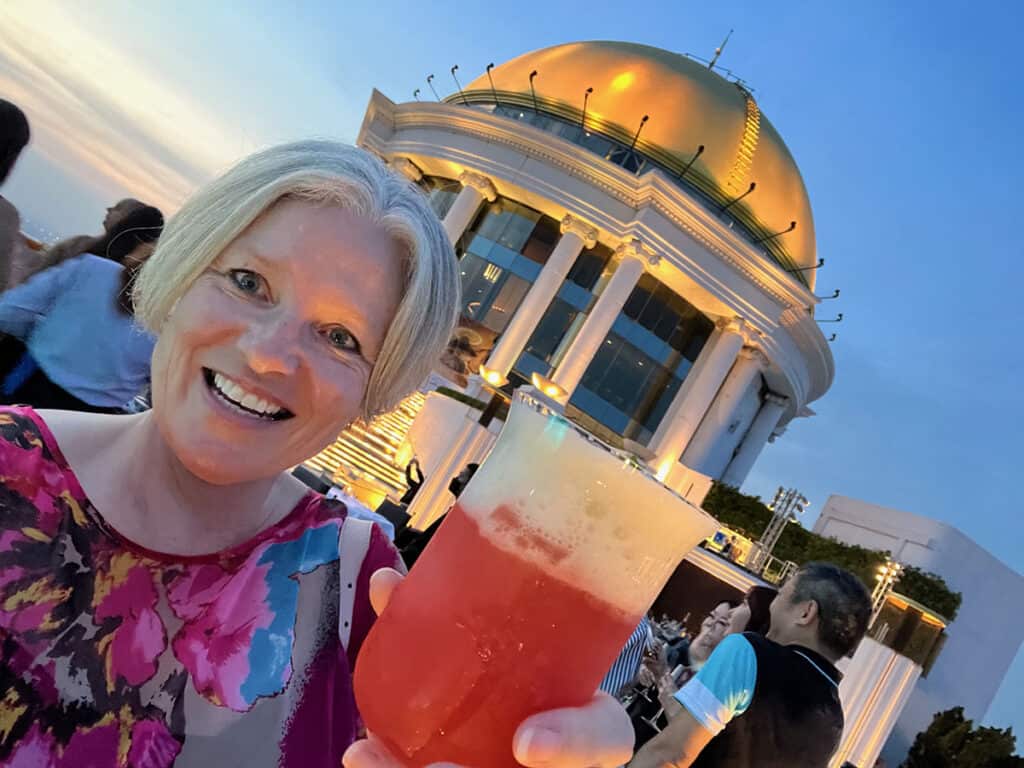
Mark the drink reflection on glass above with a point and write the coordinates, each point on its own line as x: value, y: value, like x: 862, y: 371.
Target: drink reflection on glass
x: 525, y: 596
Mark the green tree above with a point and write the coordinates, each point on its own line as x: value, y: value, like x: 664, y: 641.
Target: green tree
x: 952, y: 741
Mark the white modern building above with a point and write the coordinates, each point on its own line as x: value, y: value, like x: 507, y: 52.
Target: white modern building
x: 635, y: 238
x: 983, y: 640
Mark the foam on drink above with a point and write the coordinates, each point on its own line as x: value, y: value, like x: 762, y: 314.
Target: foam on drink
x: 599, y: 523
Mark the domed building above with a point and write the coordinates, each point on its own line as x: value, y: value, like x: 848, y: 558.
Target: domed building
x: 635, y: 239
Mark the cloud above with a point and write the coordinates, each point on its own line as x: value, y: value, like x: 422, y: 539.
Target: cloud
x: 102, y: 115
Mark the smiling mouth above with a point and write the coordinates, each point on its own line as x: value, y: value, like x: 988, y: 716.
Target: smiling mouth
x: 234, y: 395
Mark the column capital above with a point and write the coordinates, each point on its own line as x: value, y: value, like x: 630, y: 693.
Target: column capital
x: 407, y: 168
x: 776, y: 399
x: 634, y: 249
x: 735, y: 325
x: 480, y: 183
x: 581, y: 229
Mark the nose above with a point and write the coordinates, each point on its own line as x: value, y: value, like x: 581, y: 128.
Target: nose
x: 272, y: 346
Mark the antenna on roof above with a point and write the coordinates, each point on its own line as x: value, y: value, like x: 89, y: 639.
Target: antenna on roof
x: 718, y: 51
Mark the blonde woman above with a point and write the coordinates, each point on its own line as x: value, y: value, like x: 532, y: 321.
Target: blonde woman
x: 169, y: 594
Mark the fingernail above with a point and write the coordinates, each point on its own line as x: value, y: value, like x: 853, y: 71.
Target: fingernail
x: 537, y: 745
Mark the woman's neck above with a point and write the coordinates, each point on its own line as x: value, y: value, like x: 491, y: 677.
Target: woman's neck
x: 156, y: 502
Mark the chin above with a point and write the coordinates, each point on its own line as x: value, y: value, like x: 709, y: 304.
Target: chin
x: 214, y: 470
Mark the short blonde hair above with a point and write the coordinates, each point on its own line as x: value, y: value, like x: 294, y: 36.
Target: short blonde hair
x: 336, y: 174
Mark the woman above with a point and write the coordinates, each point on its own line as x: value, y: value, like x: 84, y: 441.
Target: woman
x: 754, y: 613
x: 95, y: 244
x: 83, y: 349
x: 169, y: 593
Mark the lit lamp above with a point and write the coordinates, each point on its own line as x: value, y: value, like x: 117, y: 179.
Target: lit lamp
x: 888, y: 574
x: 492, y: 377
x: 548, y: 387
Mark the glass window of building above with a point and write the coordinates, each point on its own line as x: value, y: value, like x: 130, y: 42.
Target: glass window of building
x: 501, y: 255
x: 641, y: 364
x: 441, y: 193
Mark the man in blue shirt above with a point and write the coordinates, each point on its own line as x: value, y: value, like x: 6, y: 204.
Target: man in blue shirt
x: 771, y: 702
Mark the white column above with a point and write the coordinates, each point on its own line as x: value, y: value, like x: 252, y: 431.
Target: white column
x: 723, y: 410
x: 576, y: 235
x: 475, y: 189
x: 760, y: 431
x: 695, y: 395
x: 601, y: 317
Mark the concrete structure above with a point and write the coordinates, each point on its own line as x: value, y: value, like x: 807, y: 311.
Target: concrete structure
x: 985, y: 637
x: 877, y: 682
x: 648, y: 252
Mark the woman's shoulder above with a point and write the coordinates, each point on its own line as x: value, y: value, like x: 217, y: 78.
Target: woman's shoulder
x: 29, y: 453
x: 54, y: 437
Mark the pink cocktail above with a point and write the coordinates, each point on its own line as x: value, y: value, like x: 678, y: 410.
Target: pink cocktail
x: 524, y: 597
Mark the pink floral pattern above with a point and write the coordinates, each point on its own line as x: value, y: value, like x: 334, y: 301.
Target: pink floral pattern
x: 104, y: 646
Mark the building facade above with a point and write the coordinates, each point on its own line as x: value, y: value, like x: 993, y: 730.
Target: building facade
x: 979, y: 645
x: 635, y: 239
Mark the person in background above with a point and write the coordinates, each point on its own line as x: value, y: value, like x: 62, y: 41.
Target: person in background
x: 646, y: 709
x: 14, y: 137
x: 412, y: 542
x: 84, y: 351
x: 626, y: 668
x: 771, y: 702
x: 413, y: 481
x: 95, y: 244
x: 753, y: 614
x: 693, y: 653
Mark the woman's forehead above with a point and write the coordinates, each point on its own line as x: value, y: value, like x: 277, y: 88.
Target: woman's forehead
x: 332, y: 246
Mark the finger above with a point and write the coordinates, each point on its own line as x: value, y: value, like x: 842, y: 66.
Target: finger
x: 367, y: 754
x: 598, y: 735
x: 382, y: 584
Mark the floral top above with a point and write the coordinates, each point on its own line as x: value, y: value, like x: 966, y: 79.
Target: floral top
x: 113, y: 655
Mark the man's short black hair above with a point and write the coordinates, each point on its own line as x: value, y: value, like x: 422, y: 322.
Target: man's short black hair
x: 844, y: 607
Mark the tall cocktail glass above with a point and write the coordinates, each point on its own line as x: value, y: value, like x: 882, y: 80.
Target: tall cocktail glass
x: 526, y: 595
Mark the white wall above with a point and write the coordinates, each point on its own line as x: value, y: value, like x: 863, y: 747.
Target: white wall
x: 987, y: 633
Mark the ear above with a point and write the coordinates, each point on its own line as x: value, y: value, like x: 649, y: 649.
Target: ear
x: 809, y: 613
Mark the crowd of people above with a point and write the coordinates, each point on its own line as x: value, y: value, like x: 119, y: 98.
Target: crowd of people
x: 171, y: 594
x: 70, y: 340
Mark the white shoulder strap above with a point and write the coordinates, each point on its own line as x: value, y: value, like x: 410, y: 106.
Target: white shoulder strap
x: 353, y: 543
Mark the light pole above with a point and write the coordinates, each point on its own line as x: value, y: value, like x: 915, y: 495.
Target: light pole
x: 787, y: 505
x: 885, y: 579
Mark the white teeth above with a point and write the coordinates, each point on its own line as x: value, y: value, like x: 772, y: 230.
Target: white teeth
x: 235, y: 393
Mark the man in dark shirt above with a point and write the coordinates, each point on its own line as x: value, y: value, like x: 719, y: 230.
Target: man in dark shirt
x: 771, y: 702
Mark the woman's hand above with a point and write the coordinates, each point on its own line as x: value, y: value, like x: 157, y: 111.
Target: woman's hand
x: 598, y: 735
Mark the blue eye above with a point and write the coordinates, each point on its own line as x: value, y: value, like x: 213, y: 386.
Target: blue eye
x: 249, y: 282
x: 340, y: 338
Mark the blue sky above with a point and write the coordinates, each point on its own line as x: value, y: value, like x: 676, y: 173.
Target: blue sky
x: 904, y: 118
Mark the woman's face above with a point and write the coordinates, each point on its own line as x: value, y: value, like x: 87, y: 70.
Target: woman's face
x: 118, y: 211
x: 712, y: 631
x: 266, y: 357
x: 739, y: 618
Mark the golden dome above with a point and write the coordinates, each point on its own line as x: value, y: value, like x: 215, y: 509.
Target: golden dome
x: 688, y: 106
